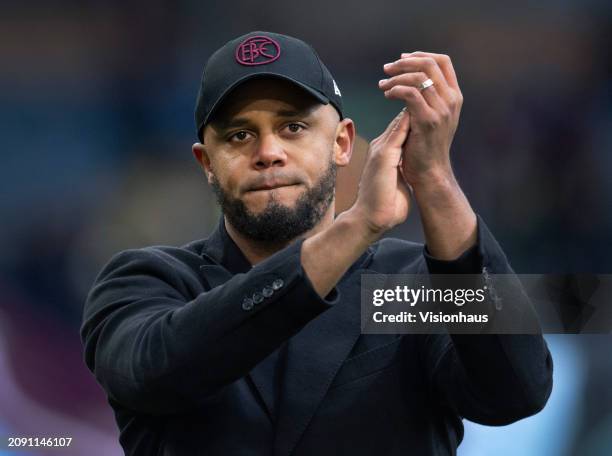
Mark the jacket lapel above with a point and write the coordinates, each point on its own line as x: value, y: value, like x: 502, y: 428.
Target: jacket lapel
x: 314, y: 356
x: 223, y: 260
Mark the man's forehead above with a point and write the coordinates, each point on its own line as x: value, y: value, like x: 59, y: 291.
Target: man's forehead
x: 232, y: 119
x: 280, y: 97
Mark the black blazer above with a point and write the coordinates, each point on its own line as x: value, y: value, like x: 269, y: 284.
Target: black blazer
x: 200, y: 354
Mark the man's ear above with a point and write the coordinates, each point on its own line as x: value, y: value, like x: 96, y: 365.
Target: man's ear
x: 200, y: 154
x: 343, y: 144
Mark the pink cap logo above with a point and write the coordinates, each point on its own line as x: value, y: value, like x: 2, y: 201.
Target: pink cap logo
x: 257, y: 50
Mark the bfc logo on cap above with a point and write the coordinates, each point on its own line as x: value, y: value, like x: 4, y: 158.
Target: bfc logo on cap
x: 257, y: 50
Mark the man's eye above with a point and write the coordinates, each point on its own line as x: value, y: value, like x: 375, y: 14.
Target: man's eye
x: 239, y: 136
x: 295, y: 127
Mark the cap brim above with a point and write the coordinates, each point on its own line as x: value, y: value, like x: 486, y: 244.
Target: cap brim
x: 315, y: 93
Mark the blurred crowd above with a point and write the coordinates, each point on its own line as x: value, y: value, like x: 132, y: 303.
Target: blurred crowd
x: 96, y: 116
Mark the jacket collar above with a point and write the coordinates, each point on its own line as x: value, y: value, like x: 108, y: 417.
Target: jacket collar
x: 221, y: 249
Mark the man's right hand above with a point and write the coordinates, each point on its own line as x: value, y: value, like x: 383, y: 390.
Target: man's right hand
x: 383, y: 200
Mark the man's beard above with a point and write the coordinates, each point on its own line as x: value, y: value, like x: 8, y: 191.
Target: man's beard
x: 277, y: 223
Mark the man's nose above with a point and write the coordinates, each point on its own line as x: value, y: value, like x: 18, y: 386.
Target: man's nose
x: 270, y: 152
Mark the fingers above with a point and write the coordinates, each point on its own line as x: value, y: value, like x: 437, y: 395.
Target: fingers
x: 415, y: 103
x: 399, y: 129
x: 425, y: 65
x: 430, y: 94
x: 396, y: 131
x: 443, y: 61
x: 433, y: 103
x: 388, y: 146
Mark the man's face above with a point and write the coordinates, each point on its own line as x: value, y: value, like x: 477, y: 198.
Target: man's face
x: 270, y: 157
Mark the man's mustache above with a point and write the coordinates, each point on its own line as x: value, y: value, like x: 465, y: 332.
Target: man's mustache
x: 265, y: 181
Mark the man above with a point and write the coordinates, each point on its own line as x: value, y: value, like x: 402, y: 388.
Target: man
x: 248, y: 342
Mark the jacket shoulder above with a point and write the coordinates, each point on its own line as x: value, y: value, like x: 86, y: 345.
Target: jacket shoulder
x: 155, y: 260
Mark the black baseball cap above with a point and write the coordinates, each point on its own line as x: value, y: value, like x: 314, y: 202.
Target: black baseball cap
x: 259, y: 54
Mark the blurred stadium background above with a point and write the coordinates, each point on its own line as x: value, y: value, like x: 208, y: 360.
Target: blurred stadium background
x: 96, y: 121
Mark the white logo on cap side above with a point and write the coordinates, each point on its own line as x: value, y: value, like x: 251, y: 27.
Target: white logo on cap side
x: 336, y: 89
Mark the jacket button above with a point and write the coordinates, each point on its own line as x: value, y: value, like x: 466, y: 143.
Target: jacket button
x: 267, y: 291
x: 491, y: 289
x: 247, y: 304
x: 257, y: 297
x: 277, y: 284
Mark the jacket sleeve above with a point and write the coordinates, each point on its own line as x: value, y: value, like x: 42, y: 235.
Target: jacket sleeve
x: 492, y: 379
x: 155, y: 351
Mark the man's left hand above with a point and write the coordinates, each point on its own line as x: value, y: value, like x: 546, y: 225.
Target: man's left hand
x: 434, y: 112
